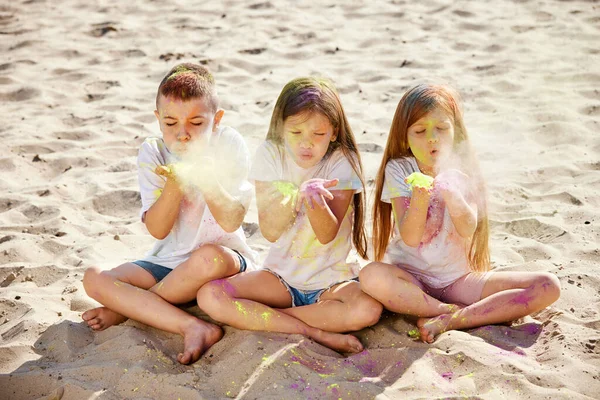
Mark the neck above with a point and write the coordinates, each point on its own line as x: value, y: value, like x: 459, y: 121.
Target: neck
x: 431, y: 171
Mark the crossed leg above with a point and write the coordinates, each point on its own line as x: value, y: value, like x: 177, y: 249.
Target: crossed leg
x: 400, y: 292
x: 506, y: 296
x: 244, y: 301
x: 130, y: 291
x: 342, y: 308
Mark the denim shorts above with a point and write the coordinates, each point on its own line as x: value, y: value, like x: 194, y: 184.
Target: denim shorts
x: 159, y: 272
x: 304, y: 297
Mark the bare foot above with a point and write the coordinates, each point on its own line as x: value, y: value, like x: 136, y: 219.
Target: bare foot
x: 430, y: 328
x: 101, y: 318
x: 197, y: 338
x: 339, y: 342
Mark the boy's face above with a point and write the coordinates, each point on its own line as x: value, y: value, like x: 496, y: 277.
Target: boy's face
x: 182, y: 122
x: 307, y: 137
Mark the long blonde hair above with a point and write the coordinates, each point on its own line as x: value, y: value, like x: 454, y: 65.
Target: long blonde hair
x: 415, y: 104
x: 309, y: 94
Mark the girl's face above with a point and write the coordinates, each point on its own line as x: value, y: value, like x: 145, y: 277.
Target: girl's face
x: 307, y: 136
x: 431, y: 139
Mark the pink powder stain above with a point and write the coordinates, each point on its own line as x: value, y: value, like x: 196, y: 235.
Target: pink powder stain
x: 425, y: 298
x: 523, y: 298
x: 531, y: 329
x: 365, y: 363
x: 226, y: 286
x: 519, y: 352
x: 448, y: 375
x: 315, y: 365
x: 488, y: 310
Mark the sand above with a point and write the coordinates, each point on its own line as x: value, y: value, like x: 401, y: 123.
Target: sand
x: 77, y: 87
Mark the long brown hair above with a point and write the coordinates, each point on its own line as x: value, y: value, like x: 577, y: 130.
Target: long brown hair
x: 415, y: 104
x: 319, y: 95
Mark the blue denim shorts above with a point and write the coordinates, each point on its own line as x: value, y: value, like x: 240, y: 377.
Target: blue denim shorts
x: 304, y: 297
x: 159, y: 272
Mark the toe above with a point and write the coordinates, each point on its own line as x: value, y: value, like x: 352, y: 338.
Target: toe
x: 183, y: 358
x: 87, y: 315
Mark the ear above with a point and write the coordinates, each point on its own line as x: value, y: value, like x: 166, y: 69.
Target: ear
x: 157, y: 115
x: 217, y: 120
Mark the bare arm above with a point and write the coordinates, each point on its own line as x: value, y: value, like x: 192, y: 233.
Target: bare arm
x: 411, y: 221
x: 276, y: 207
x: 161, y: 216
x: 326, y: 218
x: 228, y: 211
x: 463, y: 212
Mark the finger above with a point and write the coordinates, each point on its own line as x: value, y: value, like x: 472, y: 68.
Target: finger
x: 299, y: 201
x: 310, y: 203
x: 326, y: 193
x: 330, y: 183
x: 162, y: 170
x: 320, y: 201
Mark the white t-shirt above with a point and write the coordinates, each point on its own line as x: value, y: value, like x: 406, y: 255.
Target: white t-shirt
x: 441, y: 260
x: 297, y: 256
x: 195, y: 224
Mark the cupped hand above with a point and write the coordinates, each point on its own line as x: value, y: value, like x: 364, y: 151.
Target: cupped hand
x: 451, y: 181
x: 314, y: 191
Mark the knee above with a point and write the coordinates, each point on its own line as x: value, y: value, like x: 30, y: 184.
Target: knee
x: 210, y: 297
x: 208, y: 260
x: 365, y: 313
x: 368, y: 277
x: 548, y: 286
x: 90, y: 281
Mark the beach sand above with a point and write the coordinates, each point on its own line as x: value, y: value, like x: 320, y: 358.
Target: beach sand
x: 77, y: 87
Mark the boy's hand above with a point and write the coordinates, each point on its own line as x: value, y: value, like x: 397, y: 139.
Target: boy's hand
x: 164, y: 170
x: 314, y: 192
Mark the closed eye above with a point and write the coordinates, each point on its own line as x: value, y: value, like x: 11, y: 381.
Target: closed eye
x: 319, y: 134
x: 420, y: 132
x: 170, y: 123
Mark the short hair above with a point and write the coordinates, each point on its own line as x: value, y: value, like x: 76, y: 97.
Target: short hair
x: 189, y: 81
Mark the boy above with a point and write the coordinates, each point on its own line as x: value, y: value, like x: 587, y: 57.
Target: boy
x: 198, y: 226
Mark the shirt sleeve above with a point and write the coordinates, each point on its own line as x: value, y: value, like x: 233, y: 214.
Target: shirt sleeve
x: 151, y: 184
x: 267, y: 165
x: 394, y: 185
x: 233, y: 165
x: 341, y: 169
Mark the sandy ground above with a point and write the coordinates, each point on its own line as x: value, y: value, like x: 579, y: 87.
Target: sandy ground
x: 77, y: 87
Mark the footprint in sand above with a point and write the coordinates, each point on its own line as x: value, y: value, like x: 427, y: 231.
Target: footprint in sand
x: 38, y: 214
x: 20, y: 94
x: 463, y: 14
x: 531, y: 228
x: 77, y: 136
x: 119, y: 203
x: 8, y: 204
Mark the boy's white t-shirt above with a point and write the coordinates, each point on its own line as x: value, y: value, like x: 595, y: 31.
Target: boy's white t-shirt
x: 297, y: 256
x: 195, y: 224
x: 437, y: 263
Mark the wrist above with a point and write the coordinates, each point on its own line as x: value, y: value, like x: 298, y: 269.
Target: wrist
x: 172, y: 189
